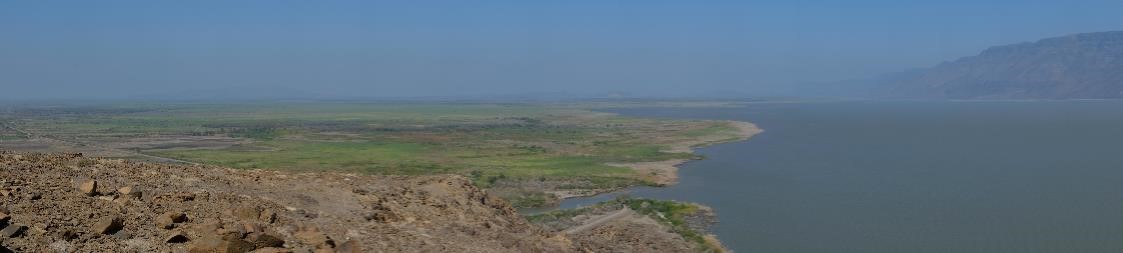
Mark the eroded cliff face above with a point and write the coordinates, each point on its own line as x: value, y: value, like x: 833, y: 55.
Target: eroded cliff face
x: 1088, y: 65
x: 72, y: 203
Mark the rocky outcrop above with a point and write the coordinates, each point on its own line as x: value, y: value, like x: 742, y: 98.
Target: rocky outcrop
x: 95, y: 205
x: 70, y: 203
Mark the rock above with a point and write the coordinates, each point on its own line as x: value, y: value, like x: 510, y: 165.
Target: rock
x: 232, y: 230
x: 216, y: 244
x: 350, y: 246
x: 177, y: 237
x: 68, y: 234
x: 263, y: 240
x: 272, y: 250
x: 252, y: 228
x: 164, y: 222
x: 121, y: 235
x: 123, y: 201
x: 208, y: 228
x: 268, y: 216
x: 169, y: 219
x: 246, y: 213
x: 108, y: 225
x: 128, y: 191
x: 4, y: 217
x: 184, y: 196
x: 34, y: 196
x: 12, y: 231
x: 312, y: 236
x: 107, y: 198
x: 89, y: 188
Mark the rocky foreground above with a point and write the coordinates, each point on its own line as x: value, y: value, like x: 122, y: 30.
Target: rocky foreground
x: 70, y: 203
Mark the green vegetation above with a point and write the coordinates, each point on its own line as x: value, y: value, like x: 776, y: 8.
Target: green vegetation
x: 520, y: 151
x: 9, y: 137
x: 674, y: 214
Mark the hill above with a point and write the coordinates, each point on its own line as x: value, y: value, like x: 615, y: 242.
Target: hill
x: 1079, y: 66
x: 71, y: 203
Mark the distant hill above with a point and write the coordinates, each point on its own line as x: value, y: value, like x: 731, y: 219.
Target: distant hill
x: 1088, y: 65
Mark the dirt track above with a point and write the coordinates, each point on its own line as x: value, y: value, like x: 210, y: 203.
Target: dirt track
x: 596, y: 222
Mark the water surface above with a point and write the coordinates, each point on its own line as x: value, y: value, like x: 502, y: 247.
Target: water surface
x: 912, y: 177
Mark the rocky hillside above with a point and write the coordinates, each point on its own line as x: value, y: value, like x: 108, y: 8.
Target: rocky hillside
x: 70, y: 203
x: 1086, y: 65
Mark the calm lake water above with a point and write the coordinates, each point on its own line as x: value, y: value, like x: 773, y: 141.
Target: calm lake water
x: 911, y: 177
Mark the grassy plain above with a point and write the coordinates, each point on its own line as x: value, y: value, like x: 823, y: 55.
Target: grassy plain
x: 526, y: 152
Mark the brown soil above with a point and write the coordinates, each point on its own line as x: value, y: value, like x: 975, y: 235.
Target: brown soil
x: 51, y: 208
x: 642, y: 233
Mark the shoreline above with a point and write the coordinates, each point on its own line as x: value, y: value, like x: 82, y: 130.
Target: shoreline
x: 665, y: 173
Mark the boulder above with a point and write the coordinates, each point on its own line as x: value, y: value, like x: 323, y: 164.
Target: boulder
x: 130, y: 192
x: 246, y: 213
x: 122, y: 235
x: 89, y: 188
x: 268, y: 216
x: 207, y: 228
x: 108, y: 225
x: 232, y: 229
x: 312, y: 236
x: 183, y: 196
x: 169, y: 219
x: 217, y: 244
x: 264, y: 240
x: 12, y: 231
x: 177, y: 237
x: 272, y: 250
x: 68, y: 234
x: 4, y: 217
x: 250, y: 227
x: 123, y: 201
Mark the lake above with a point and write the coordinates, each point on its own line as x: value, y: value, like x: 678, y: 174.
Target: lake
x: 1011, y: 176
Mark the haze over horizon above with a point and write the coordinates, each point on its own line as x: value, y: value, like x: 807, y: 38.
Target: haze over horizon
x: 361, y: 49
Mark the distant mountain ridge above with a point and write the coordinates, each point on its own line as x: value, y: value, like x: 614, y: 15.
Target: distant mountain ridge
x: 1079, y: 66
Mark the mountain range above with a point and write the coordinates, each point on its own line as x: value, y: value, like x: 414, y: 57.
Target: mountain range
x: 1079, y: 66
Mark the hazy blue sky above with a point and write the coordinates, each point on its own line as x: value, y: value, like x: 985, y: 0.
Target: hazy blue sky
x: 105, y: 48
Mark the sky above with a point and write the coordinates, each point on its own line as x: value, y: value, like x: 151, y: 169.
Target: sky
x: 379, y: 49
